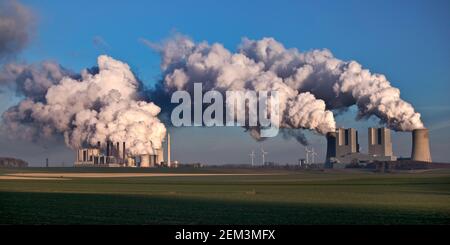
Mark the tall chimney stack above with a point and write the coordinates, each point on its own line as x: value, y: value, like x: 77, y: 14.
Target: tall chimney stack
x: 420, y: 145
x: 107, y: 148
x: 123, y: 153
x: 169, y: 164
x: 111, y: 148
x: 331, y: 149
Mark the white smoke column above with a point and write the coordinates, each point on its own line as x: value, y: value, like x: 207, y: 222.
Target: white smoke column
x: 185, y: 63
x: 96, y: 107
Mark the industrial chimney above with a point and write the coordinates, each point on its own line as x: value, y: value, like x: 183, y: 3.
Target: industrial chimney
x: 331, y: 149
x: 117, y: 150
x: 107, y: 148
x: 124, y: 158
x: 169, y: 164
x: 420, y: 145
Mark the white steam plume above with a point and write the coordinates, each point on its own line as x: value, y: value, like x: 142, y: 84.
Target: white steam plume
x: 95, y: 106
x: 185, y: 62
x: 340, y: 84
x: 310, y: 83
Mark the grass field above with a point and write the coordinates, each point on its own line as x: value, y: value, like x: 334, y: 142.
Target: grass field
x: 276, y: 197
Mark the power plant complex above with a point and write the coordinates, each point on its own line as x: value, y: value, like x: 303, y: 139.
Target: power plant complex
x: 343, y: 147
x: 114, y: 154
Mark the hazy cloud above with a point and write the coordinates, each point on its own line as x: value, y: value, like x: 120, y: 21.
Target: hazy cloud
x: 100, y: 43
x: 15, y: 27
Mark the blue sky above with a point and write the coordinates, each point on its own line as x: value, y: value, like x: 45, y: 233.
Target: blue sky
x: 408, y: 41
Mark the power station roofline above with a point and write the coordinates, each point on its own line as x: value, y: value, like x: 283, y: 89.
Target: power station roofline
x: 343, y: 146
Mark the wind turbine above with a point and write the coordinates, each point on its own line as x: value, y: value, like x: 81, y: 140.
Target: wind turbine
x: 252, y: 155
x: 313, y: 153
x: 264, y: 153
x: 307, y: 151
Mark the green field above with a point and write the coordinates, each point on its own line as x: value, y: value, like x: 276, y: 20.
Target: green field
x: 290, y: 197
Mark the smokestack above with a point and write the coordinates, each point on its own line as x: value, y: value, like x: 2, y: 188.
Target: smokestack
x: 117, y: 150
x: 169, y: 164
x: 331, y: 148
x: 111, y: 148
x: 123, y: 152
x: 160, y: 156
x: 420, y: 145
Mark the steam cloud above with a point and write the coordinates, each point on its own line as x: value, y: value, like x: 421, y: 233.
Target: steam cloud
x: 108, y: 102
x: 184, y: 63
x: 32, y: 81
x: 97, y: 105
x: 340, y: 84
x: 310, y: 84
x: 15, y: 27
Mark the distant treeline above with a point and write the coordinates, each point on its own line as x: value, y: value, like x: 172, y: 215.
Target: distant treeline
x: 8, y: 162
x: 405, y: 165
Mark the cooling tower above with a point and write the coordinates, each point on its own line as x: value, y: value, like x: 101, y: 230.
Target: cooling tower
x: 145, y: 161
x: 331, y: 148
x: 420, y: 145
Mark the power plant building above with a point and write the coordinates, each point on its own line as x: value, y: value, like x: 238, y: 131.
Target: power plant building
x: 343, y: 147
x: 346, y: 141
x: 114, y: 154
x: 380, y: 143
